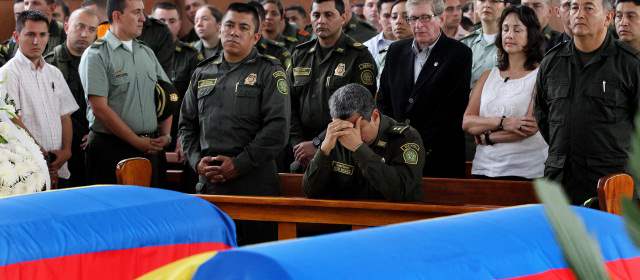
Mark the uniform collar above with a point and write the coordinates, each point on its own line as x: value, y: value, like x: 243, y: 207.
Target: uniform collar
x: 385, y: 123
x: 339, y: 47
x: 113, y: 42
x: 23, y: 60
x: 416, y: 50
x: 249, y: 59
x: 606, y: 49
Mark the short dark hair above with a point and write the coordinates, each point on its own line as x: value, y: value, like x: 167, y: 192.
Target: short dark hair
x: 261, y: 12
x: 396, y: 2
x: 535, y: 38
x: 17, y: 1
x: 115, y: 5
x: 380, y: 2
x: 637, y: 2
x: 278, y: 4
x: 339, y: 4
x: 30, y: 15
x: 165, y: 6
x: 245, y: 8
x: 298, y: 9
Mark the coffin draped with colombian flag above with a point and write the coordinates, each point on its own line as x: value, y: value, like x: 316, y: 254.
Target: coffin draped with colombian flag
x: 509, y: 243
x: 105, y: 232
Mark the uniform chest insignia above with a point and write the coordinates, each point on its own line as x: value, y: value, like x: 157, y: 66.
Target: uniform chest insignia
x: 301, y: 71
x: 339, y: 70
x: 342, y: 168
x: 251, y: 79
x: 410, y: 153
x: 173, y: 97
x: 207, y: 83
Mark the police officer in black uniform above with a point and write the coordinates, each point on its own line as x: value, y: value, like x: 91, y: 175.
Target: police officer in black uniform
x: 358, y: 29
x: 268, y: 47
x: 365, y: 155
x: 83, y: 24
x: 235, y: 117
x: 319, y: 67
x: 586, y: 98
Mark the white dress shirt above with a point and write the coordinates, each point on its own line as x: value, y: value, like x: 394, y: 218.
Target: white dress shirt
x: 377, y: 47
x: 42, y: 96
x: 421, y: 58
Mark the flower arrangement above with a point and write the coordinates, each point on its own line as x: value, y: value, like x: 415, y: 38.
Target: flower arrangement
x: 23, y: 168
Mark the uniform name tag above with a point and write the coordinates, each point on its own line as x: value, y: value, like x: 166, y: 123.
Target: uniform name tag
x: 207, y: 83
x: 301, y: 71
x: 342, y: 168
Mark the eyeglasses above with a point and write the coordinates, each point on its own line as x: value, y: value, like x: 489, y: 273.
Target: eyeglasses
x: 422, y: 18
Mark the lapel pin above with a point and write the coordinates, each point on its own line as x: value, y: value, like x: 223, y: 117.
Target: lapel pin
x: 435, y: 64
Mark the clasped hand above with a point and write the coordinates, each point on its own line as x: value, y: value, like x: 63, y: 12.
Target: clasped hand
x: 344, y: 132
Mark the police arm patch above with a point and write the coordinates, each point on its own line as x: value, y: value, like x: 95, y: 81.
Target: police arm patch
x: 367, y: 77
x: 410, y: 153
x: 283, y: 86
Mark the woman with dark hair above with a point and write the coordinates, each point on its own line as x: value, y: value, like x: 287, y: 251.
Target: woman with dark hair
x: 499, y: 113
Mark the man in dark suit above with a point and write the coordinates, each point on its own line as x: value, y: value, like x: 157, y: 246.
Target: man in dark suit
x: 433, y: 91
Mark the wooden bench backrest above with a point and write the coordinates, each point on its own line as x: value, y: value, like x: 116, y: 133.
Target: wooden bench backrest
x: 449, y: 191
x: 611, y: 189
x: 134, y: 171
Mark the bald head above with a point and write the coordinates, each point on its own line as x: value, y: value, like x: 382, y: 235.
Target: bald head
x: 81, y: 30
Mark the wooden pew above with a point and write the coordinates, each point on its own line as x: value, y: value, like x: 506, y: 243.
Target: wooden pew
x: 448, y: 191
x: 288, y: 211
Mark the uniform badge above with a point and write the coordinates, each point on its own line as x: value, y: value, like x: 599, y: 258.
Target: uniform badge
x: 173, y: 97
x: 367, y: 77
x: 339, y: 70
x: 251, y: 79
x: 342, y: 168
x: 410, y: 153
x: 282, y: 86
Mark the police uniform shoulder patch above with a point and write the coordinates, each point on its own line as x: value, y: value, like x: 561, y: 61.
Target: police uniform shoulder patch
x: 367, y: 77
x: 282, y: 86
x: 363, y: 66
x: 410, y: 153
x: 279, y: 74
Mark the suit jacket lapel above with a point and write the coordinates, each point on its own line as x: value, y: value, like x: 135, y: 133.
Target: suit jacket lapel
x: 431, y: 66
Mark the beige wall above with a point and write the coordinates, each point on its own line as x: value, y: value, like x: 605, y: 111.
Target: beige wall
x: 7, y: 23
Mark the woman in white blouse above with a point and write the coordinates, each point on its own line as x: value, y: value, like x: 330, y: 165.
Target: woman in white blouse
x: 499, y: 114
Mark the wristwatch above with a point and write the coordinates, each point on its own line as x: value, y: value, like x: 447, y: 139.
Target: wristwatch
x: 316, y: 142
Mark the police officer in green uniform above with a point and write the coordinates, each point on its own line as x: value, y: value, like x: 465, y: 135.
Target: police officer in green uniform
x: 235, y: 117
x: 56, y: 29
x: 365, y: 155
x: 268, y: 47
x: 293, y: 36
x: 119, y: 76
x: 586, y: 98
x: 358, y: 29
x: 275, y: 25
x: 81, y: 32
x: 207, y: 19
x: 320, y: 66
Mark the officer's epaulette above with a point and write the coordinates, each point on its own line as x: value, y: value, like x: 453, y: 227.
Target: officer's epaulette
x: 353, y: 43
x: 556, y: 47
x: 397, y: 129
x: 97, y: 43
x: 307, y: 44
x: 626, y: 48
x: 216, y: 59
